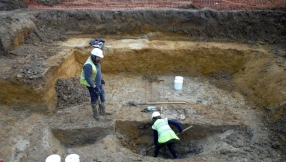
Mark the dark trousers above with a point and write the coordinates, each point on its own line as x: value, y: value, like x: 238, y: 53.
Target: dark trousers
x: 170, y: 145
x: 93, y: 95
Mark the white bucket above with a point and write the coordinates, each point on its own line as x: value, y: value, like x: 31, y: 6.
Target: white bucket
x: 179, y: 78
x: 178, y: 84
x: 53, y: 158
x: 72, y: 158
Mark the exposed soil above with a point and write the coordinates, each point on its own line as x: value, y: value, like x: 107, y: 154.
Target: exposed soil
x: 233, y: 64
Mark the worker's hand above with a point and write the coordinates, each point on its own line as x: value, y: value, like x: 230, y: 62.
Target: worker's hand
x: 102, y: 81
x: 96, y: 90
x: 179, y: 133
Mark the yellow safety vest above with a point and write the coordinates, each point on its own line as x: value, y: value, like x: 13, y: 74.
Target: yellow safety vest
x: 93, y: 75
x: 165, y: 132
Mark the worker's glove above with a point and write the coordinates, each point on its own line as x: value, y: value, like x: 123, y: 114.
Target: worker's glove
x: 96, y: 90
x: 102, y: 81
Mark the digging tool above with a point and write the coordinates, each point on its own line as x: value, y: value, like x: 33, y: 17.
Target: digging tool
x: 176, y: 134
x: 134, y: 103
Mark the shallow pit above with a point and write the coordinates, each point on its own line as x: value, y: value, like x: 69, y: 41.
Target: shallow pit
x: 82, y: 136
x: 138, y: 137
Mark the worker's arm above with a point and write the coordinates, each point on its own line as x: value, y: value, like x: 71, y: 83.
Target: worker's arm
x: 177, y: 124
x: 87, y: 74
x: 155, y: 137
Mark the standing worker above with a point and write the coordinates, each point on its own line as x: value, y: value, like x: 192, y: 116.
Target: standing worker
x: 91, y: 77
x: 163, y: 133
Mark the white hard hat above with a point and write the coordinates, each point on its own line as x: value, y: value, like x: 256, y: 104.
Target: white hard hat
x: 97, y: 52
x: 155, y: 114
x: 72, y: 158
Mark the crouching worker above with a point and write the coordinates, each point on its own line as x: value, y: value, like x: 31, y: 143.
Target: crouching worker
x: 91, y: 77
x: 163, y: 134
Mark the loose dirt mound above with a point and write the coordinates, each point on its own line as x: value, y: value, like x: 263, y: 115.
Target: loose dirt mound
x: 70, y: 93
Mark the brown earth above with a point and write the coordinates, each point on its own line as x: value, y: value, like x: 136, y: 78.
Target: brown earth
x: 233, y: 64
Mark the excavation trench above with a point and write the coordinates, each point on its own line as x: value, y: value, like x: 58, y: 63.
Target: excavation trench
x: 143, y: 71
x: 138, y: 137
x: 223, y: 89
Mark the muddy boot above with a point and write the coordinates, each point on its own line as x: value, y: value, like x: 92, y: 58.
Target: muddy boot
x: 95, y: 111
x: 103, y: 111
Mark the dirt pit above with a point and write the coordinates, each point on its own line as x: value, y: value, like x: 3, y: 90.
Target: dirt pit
x: 234, y: 91
x: 224, y: 126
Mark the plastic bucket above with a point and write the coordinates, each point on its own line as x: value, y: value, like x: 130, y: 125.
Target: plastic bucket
x: 179, y: 78
x: 178, y: 84
x: 72, y: 158
x: 53, y: 158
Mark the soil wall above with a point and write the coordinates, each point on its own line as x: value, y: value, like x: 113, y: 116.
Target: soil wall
x: 206, y: 25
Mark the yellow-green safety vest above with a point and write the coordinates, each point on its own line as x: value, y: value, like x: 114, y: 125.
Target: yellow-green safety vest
x: 93, y: 74
x: 165, y: 132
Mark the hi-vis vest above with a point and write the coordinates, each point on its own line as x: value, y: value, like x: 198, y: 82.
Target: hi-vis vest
x: 165, y: 132
x: 93, y: 74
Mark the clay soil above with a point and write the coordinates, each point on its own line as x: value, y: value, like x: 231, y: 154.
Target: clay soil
x: 234, y: 86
